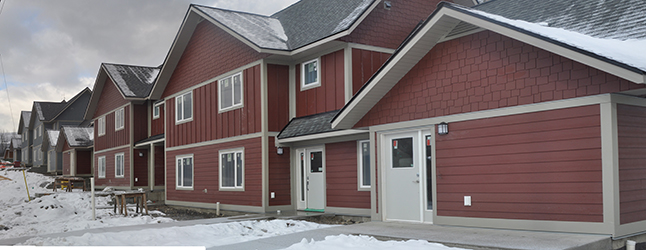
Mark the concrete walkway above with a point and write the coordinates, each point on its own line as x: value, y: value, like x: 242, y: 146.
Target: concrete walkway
x: 471, y: 238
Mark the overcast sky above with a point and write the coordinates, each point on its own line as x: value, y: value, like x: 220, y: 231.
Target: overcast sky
x: 52, y: 49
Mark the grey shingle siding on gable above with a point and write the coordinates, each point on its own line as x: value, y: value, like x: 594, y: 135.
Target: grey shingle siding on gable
x: 309, y: 125
x: 615, y: 19
x: 132, y: 81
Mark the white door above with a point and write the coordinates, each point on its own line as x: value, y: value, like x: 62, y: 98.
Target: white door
x: 311, y: 179
x: 403, y: 199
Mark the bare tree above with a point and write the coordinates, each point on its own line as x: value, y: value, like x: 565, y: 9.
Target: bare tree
x: 5, y: 140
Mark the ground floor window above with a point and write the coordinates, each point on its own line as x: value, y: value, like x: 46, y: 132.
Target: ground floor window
x: 101, y: 166
x: 232, y: 169
x: 364, y: 164
x: 118, y: 165
x: 184, y: 171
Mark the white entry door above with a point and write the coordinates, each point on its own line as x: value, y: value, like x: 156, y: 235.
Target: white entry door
x: 403, y: 201
x: 311, y: 179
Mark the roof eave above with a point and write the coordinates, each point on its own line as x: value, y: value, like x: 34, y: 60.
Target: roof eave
x: 97, y: 90
x: 321, y: 135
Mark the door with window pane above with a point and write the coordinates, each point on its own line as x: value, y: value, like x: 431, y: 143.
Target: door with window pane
x: 311, y: 179
x: 402, y: 173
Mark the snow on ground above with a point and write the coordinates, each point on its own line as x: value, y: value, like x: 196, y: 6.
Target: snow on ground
x: 344, y: 242
x: 56, y: 213
x: 198, y: 235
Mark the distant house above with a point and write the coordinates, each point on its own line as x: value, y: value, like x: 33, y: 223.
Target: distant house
x: 76, y: 145
x: 16, y: 148
x: 26, y: 138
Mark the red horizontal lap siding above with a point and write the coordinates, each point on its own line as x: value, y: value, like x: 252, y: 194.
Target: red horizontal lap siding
x: 330, y: 95
x: 277, y: 96
x: 113, y: 138
x: 210, y: 52
x: 206, y: 175
x: 109, y: 179
x: 159, y: 166
x: 83, y: 162
x: 157, y: 125
x: 487, y: 71
x: 535, y: 166
x: 364, y: 64
x: 388, y: 28
x: 66, y: 163
x: 110, y: 99
x: 631, y: 131
x: 341, y: 176
x: 140, y: 121
x: 141, y: 167
x: 208, y: 123
x: 279, y: 176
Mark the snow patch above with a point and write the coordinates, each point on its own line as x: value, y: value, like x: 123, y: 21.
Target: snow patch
x: 344, y: 242
x: 345, y: 23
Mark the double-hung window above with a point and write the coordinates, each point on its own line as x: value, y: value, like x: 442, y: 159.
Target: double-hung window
x: 118, y: 119
x: 101, y: 166
x: 184, y: 174
x: 118, y: 165
x: 184, y: 107
x: 230, y: 89
x: 101, y: 125
x: 310, y: 74
x: 157, y: 110
x: 364, y: 164
x: 232, y: 169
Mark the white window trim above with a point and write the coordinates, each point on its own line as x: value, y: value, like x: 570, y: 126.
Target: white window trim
x: 234, y: 106
x: 318, y: 75
x: 181, y: 96
x: 101, y: 172
x: 101, y: 125
x: 158, y: 105
x: 123, y: 173
x: 234, y: 151
x: 177, y: 187
x: 117, y: 113
x: 360, y: 184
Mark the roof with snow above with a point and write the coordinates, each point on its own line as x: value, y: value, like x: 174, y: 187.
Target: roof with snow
x: 52, y: 136
x: 78, y: 136
x: 25, y: 118
x: 298, y: 25
x: 132, y: 81
x: 308, y: 125
x: 16, y: 142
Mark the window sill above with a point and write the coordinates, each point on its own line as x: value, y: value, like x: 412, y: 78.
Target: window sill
x: 239, y: 106
x: 184, y: 188
x: 310, y: 86
x: 232, y: 189
x: 183, y: 121
x: 364, y: 189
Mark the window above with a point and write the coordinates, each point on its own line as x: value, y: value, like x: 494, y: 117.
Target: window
x: 184, y: 174
x: 230, y: 90
x: 35, y: 155
x: 232, y: 169
x: 101, y: 125
x: 118, y: 119
x: 101, y: 166
x: 364, y: 164
x: 157, y: 110
x: 310, y: 74
x: 118, y: 165
x: 402, y: 152
x: 184, y: 107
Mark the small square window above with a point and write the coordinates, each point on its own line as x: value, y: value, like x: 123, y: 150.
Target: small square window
x: 310, y: 74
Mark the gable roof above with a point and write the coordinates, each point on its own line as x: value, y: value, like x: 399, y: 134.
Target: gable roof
x: 75, y: 137
x: 16, y: 142
x: 25, y: 117
x: 74, y: 99
x: 297, y: 28
x: 579, y: 44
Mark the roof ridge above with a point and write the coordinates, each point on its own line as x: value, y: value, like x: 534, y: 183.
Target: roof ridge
x: 234, y: 11
x: 132, y: 65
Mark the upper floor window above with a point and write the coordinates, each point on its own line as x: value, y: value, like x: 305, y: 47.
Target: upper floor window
x: 230, y: 89
x: 157, y: 110
x: 184, y: 107
x: 310, y: 74
x: 118, y: 119
x: 101, y: 125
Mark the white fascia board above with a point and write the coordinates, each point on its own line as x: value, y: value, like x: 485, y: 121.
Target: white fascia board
x: 322, y: 135
x: 97, y: 89
x: 551, y: 47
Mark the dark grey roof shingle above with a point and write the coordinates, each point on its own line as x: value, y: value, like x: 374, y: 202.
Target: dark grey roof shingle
x: 48, y: 110
x: 132, y: 81
x: 26, y: 115
x: 308, y: 125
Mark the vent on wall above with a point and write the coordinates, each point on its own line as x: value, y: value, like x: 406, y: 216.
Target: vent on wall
x: 387, y: 5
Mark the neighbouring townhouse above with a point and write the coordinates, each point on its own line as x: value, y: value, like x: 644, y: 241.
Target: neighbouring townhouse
x: 26, y: 138
x: 16, y: 148
x: 512, y: 114
x: 128, y: 129
x: 231, y: 83
x: 75, y: 143
x: 51, y: 116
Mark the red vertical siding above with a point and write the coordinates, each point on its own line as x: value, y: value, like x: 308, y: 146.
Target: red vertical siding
x: 109, y: 179
x: 157, y: 125
x: 208, y: 124
x: 83, y: 162
x: 113, y: 138
x: 330, y: 95
x: 277, y: 96
x: 67, y: 163
x: 536, y: 166
x: 341, y: 176
x: 141, y: 167
x: 487, y: 71
x: 110, y: 99
x: 388, y: 28
x: 206, y: 167
x: 140, y: 121
x: 631, y: 122
x: 210, y: 53
x: 159, y: 166
x: 279, y: 176
x: 364, y: 64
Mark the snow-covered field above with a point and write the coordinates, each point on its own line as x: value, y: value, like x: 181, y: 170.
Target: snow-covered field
x: 71, y: 211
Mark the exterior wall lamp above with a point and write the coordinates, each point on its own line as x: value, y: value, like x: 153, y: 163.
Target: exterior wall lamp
x: 443, y: 128
x: 279, y: 150
x: 141, y: 154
